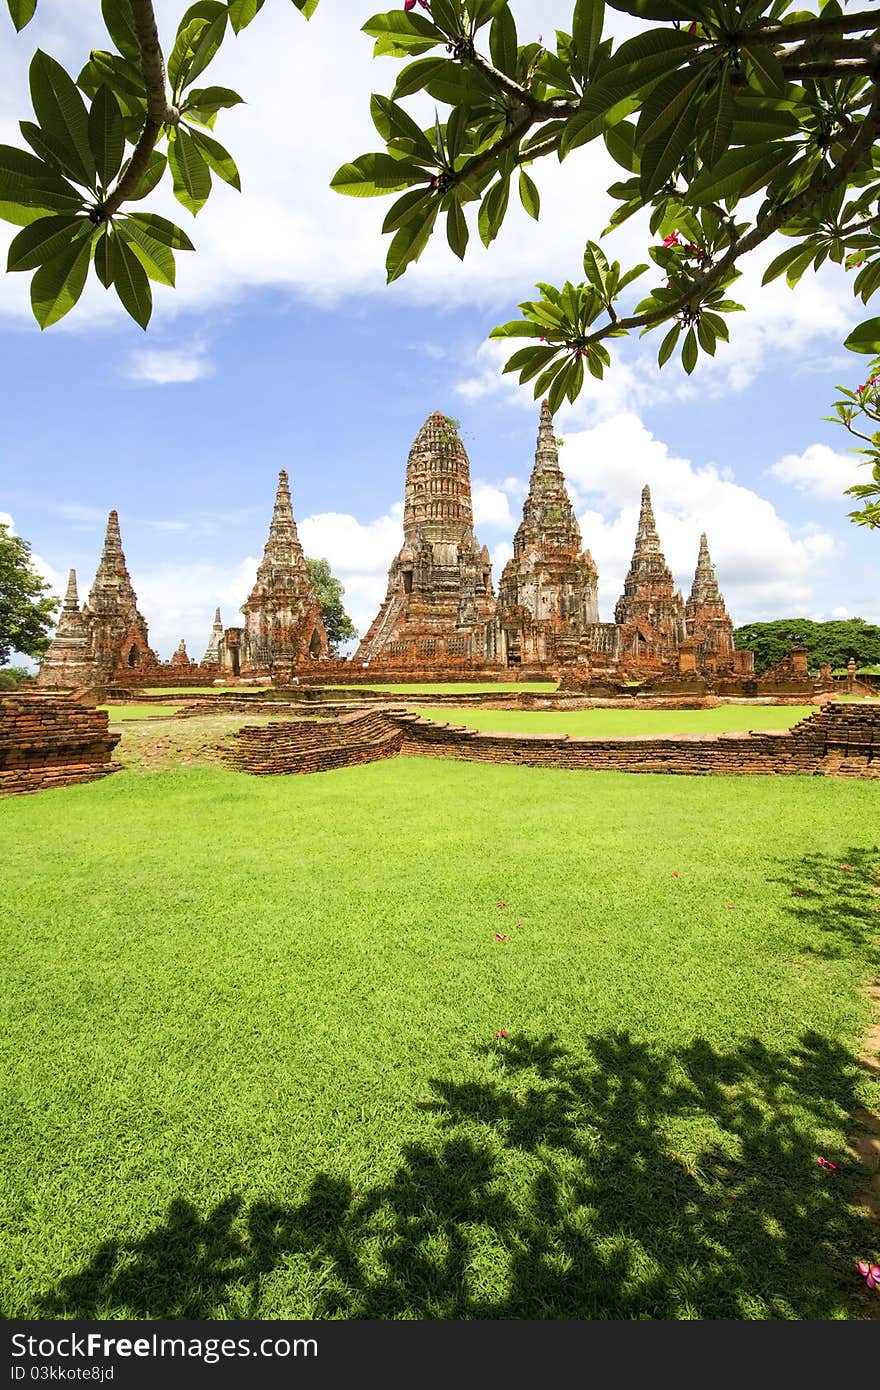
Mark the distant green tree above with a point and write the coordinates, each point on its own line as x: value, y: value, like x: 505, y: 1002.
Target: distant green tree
x: 832, y: 642
x: 27, y: 613
x: 339, y: 626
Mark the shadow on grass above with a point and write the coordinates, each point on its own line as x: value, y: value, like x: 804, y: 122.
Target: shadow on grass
x: 559, y: 1191
x: 837, y: 901
x: 623, y: 1180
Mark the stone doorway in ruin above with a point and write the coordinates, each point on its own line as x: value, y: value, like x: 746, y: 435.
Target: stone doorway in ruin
x: 134, y: 657
x: 315, y: 644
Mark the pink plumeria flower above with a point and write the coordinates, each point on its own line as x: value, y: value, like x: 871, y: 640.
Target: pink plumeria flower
x: 730, y: 906
x: 499, y: 937
x: 827, y: 1164
x: 671, y: 240
x: 870, y: 1273
x: 502, y: 1034
x: 411, y: 4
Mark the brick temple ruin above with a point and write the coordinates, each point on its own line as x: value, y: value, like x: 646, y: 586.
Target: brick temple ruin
x: 440, y: 613
x: 441, y: 618
x: 106, y: 641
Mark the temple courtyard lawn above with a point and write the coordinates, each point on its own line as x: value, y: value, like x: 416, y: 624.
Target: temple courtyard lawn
x: 615, y: 723
x: 436, y: 1039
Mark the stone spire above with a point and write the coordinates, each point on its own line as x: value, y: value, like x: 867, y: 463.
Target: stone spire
x: 112, y: 591
x: 649, y: 610
x: 71, y: 598
x: 437, y: 499
x: 283, y: 621
x: 705, y: 586
x: 283, y: 554
x: 548, y: 516
x: 212, y: 654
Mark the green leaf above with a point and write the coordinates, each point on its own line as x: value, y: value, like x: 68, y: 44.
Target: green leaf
x: 739, y: 172
x: 393, y: 123
x: 503, y: 43
x: 58, y: 284
x: 373, y: 175
x: 241, y: 12
x: 865, y: 338
x: 517, y: 328
x: 192, y: 177
x: 106, y: 136
x: 306, y: 7
x: 29, y: 182
x: 406, y: 207
x: 662, y: 156
x: 161, y: 230
x: 457, y: 232
x: 105, y: 256
x: 120, y: 26
x: 493, y: 210
x: 208, y: 100
x: 121, y: 75
x: 207, y: 45
x: 667, y: 102
x: 530, y: 361
x: 662, y: 9
x: 596, y: 267
x: 586, y: 30
x: 620, y: 143
x: 216, y: 158
x: 410, y: 241
x: 61, y: 112
x: 156, y: 259
x: 641, y: 52
x: 131, y: 283
x: 529, y: 195
x: 782, y: 262
x: 45, y: 239
x: 668, y: 346
x: 716, y: 122
x: 766, y: 69
x: 22, y: 12
x: 398, y: 33
x: 689, y: 352
x: 706, y: 335
x: 559, y: 387
x: 152, y: 176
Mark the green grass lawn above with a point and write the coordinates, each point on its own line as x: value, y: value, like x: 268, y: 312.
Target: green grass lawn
x: 611, y: 723
x: 118, y: 713
x: 457, y: 688
x: 250, y: 1066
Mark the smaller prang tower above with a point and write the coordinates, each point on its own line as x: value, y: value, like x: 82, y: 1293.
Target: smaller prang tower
x: 708, y: 623
x: 116, y: 644
x: 283, y: 626
x: 548, y: 595
x: 649, y: 612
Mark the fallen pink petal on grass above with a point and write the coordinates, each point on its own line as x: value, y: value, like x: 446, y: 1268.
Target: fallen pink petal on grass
x: 730, y: 906
x: 502, y: 1034
x: 676, y: 874
x: 847, y: 868
x: 502, y: 904
x: 499, y: 937
x: 869, y: 1272
x: 826, y: 1163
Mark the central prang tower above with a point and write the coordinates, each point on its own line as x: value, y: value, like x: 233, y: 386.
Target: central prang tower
x: 439, y: 603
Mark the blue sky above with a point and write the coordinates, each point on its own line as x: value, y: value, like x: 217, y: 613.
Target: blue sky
x: 282, y: 348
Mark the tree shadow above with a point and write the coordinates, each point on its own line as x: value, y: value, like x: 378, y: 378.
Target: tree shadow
x: 621, y: 1179
x: 624, y: 1182
x: 837, y: 900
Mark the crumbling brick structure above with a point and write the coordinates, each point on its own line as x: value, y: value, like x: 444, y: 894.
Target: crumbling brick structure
x: 49, y: 740
x: 106, y: 641
x: 284, y: 626
x: 439, y: 606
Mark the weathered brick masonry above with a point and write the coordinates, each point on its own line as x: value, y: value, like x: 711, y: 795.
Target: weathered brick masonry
x: 51, y: 741
x: 317, y: 745
x: 839, y: 740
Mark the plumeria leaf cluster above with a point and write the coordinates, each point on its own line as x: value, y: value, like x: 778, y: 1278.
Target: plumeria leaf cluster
x: 730, y: 120
x: 104, y: 141
x: 858, y: 410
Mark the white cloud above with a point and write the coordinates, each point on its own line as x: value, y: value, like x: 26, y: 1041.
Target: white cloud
x: 818, y: 471
x: 491, y: 506
x: 359, y: 554
x: 765, y: 565
x: 164, y: 366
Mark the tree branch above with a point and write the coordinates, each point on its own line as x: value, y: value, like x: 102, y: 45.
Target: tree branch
x: 817, y: 188
x: 775, y: 34
x: 159, y: 110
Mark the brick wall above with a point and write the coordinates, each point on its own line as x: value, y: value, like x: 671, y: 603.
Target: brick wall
x: 836, y: 740
x: 316, y: 745
x: 50, y: 740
